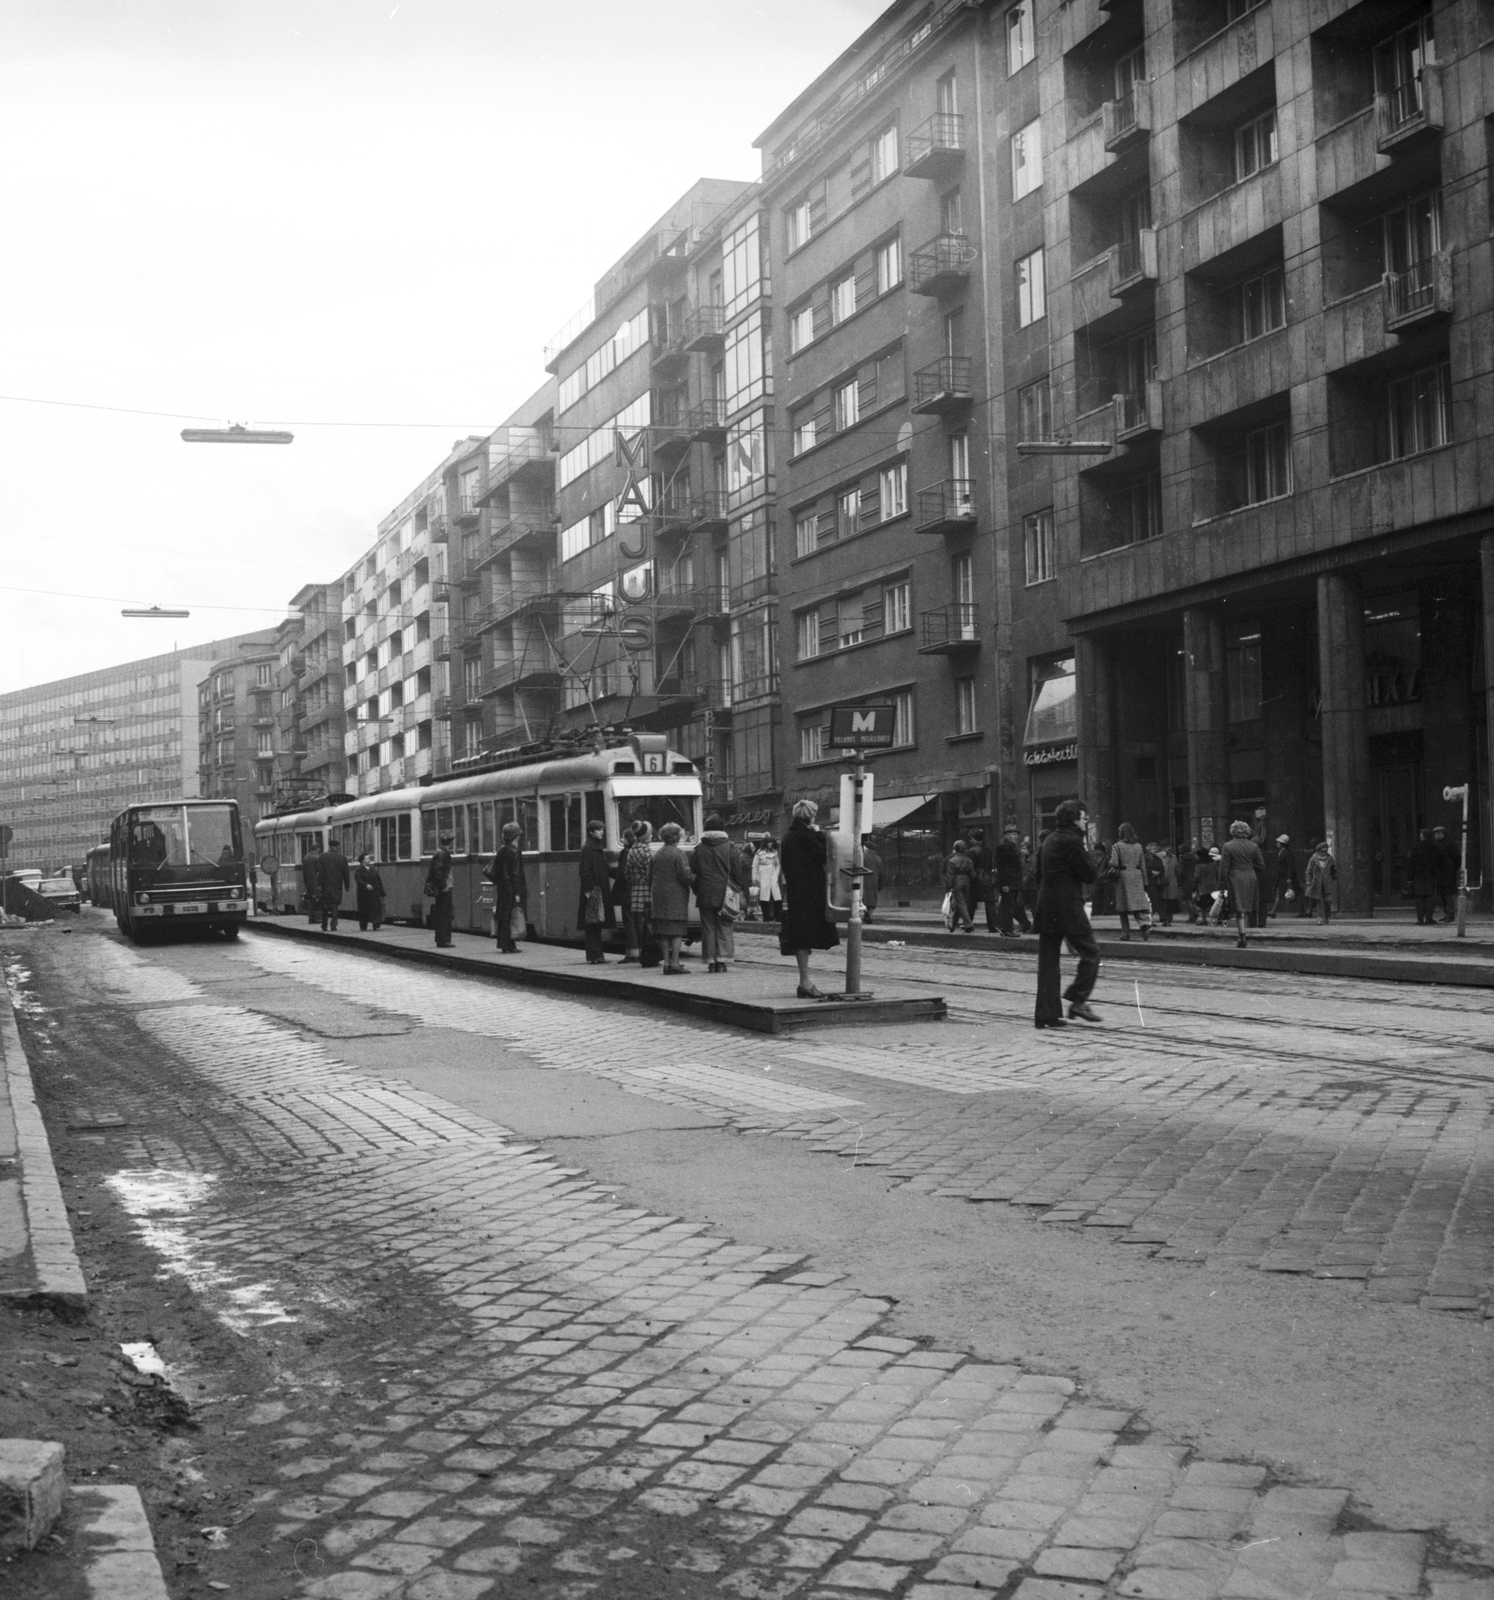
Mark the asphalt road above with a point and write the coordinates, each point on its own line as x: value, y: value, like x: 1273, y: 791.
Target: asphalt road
x: 471, y: 1286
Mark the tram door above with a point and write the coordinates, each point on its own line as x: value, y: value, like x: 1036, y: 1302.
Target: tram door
x: 1398, y: 817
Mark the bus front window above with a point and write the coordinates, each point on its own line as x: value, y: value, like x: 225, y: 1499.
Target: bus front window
x: 158, y: 839
x: 211, y: 835
x: 656, y: 810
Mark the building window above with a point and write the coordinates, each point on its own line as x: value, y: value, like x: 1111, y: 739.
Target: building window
x: 811, y: 741
x: 951, y: 212
x: 1027, y: 158
x: 801, y: 328
x: 1421, y: 411
x: 575, y: 539
x: 800, y: 224
x: 1034, y: 411
x: 847, y: 406
x: 264, y: 673
x: 1262, y: 304
x: 1135, y: 512
x: 1032, y: 295
x: 843, y: 299
x: 847, y: 510
x: 965, y: 721
x: 1039, y: 538
x: 893, y: 497
x: 903, y: 732
x: 807, y: 635
x: 1255, y: 145
x: 889, y: 265
x: 747, y: 458
x: 745, y: 364
x: 1021, y: 38
x: 884, y: 154
x: 897, y: 607
x: 803, y: 425
x: 741, y: 267
x: 1268, y: 463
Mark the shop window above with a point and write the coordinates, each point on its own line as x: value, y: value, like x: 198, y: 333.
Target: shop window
x: 1052, y: 713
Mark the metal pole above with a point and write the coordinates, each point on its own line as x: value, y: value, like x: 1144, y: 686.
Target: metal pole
x: 1460, y: 792
x: 858, y: 862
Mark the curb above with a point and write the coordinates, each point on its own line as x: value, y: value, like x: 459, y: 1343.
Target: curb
x: 54, y: 1257
x: 117, y: 1547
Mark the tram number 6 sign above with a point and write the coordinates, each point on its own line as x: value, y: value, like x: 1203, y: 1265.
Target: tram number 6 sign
x: 862, y: 727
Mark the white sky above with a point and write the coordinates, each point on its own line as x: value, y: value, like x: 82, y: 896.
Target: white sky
x: 292, y: 211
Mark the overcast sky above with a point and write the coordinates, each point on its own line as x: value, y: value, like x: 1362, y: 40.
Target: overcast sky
x: 314, y: 211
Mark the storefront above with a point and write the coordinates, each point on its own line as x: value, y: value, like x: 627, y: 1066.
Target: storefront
x: 1050, y: 748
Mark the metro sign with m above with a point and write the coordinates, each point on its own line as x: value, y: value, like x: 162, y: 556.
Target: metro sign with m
x: 862, y: 727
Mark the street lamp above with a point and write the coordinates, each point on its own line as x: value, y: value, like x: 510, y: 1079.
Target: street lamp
x: 236, y: 434
x: 153, y: 611
x: 1460, y: 792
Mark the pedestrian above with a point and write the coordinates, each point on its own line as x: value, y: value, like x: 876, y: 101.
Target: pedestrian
x: 984, y: 888
x: 1243, y: 865
x: 1322, y: 877
x: 1208, y: 892
x: 510, y: 892
x: 440, y: 891
x: 1170, y: 890
x: 959, y: 881
x: 1448, y: 870
x: 871, y: 883
x: 1288, y: 881
x: 1265, y: 875
x: 1187, y: 866
x: 1154, y: 872
x: 634, y: 863
x: 1421, y: 865
x: 767, y: 875
x: 1105, y: 874
x: 746, y: 856
x: 594, y: 908
x: 337, y: 878
x: 1065, y: 868
x: 719, y: 884
x: 1008, y: 876
x: 1128, y: 867
x: 311, y: 881
x: 370, y: 889
x: 806, y: 925
x: 670, y: 882
x: 1031, y: 860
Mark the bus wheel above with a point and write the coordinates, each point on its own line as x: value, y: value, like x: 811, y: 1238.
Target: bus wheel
x: 230, y: 930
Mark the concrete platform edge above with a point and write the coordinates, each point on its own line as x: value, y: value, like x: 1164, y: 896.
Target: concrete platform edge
x: 49, y: 1234
x: 119, y: 1550
x: 736, y: 1013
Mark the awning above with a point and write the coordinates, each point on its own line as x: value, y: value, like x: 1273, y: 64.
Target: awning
x: 887, y: 813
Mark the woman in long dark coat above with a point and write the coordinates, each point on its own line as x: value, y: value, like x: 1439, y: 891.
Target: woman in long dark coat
x: 506, y: 874
x: 806, y: 924
x: 670, y: 882
x: 1241, y: 861
x: 370, y: 887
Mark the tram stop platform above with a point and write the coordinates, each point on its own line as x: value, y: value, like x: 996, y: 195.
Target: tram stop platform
x: 753, y: 996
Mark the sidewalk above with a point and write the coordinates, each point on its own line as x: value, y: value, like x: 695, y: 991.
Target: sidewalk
x: 755, y: 997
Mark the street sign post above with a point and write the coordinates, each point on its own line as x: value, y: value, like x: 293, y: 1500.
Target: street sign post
x: 857, y: 729
x: 1460, y: 792
x: 862, y: 727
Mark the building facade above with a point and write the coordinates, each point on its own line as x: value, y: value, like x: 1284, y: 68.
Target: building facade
x: 78, y: 750
x: 236, y: 728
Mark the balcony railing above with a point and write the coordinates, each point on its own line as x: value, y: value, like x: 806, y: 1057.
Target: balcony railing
x: 936, y: 148
x: 943, y: 386
x: 441, y: 646
x: 441, y: 710
x: 941, y: 265
x: 1133, y: 262
x: 705, y: 328
x: 951, y: 628
x: 469, y: 507
x: 439, y: 529
x: 524, y: 454
x: 947, y: 507
x: 1410, y: 111
x: 1139, y: 411
x: 1127, y: 120
x: 708, y: 511
x: 707, y: 422
x: 1421, y: 293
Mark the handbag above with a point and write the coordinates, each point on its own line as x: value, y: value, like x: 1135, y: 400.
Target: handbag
x: 731, y: 904
x: 596, y: 912
x: 947, y: 909
x: 517, y: 927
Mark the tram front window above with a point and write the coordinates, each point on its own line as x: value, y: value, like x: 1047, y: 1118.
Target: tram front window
x: 656, y: 810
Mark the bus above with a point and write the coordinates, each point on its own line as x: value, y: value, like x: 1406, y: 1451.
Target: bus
x: 96, y: 876
x: 178, y: 864
x: 552, y: 801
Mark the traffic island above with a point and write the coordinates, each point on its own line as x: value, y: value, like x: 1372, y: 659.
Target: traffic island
x: 759, y: 999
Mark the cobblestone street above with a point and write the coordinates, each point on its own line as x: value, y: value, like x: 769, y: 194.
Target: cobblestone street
x: 588, y: 1396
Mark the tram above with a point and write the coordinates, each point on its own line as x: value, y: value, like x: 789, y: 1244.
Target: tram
x: 96, y: 876
x: 178, y: 864
x: 552, y: 801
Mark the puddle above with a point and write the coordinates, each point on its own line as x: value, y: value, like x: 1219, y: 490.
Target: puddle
x: 145, y: 1358
x: 162, y: 1204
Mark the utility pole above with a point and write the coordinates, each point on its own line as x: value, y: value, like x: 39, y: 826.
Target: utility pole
x: 1460, y: 792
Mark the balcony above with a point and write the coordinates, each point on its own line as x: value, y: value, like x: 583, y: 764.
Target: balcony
x: 941, y: 265
x: 949, y: 630
x: 1421, y: 294
x: 510, y: 535
x: 441, y: 591
x: 671, y: 516
x: 439, y: 528
x: 1138, y: 413
x: 1133, y: 264
x: 670, y: 440
x: 668, y: 357
x: 705, y: 329
x: 441, y: 646
x: 442, y: 708
x: 1127, y: 121
x: 1410, y: 112
x: 707, y: 422
x: 701, y: 692
x: 525, y: 455
x: 936, y: 148
x: 947, y: 507
x: 520, y: 675
x: 707, y: 512
x: 944, y: 387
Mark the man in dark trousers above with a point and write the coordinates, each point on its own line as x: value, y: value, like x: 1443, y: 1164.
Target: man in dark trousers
x: 984, y: 887
x: 1449, y: 868
x: 1286, y: 880
x: 1065, y: 869
x: 506, y: 871
x: 1421, y: 867
x: 311, y: 883
x: 594, y: 876
x: 1009, y: 905
x: 438, y: 886
x: 337, y: 875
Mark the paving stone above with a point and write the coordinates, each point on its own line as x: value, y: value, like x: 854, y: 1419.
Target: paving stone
x: 988, y: 1572
x: 1062, y: 1562
x: 874, y: 1575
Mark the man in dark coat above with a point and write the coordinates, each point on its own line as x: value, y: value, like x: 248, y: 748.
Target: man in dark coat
x: 1009, y: 905
x: 311, y: 883
x: 1066, y: 867
x: 337, y: 876
x: 983, y: 890
x: 1448, y: 867
x: 439, y: 887
x: 506, y: 871
x: 594, y: 876
x: 1286, y: 879
x: 1421, y: 865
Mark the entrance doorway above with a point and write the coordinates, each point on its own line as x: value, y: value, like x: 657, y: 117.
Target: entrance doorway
x: 1398, y: 815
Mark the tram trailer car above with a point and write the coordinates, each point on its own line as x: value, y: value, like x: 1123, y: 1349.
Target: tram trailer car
x: 552, y: 801
x: 178, y: 864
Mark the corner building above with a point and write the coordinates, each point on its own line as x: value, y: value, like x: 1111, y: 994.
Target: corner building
x: 1259, y: 571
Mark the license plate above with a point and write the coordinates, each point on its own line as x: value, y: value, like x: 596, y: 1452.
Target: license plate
x: 183, y: 906
x: 230, y: 905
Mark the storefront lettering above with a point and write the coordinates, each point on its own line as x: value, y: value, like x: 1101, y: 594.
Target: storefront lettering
x: 1050, y: 757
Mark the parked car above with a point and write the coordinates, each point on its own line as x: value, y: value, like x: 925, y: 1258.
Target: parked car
x: 60, y: 890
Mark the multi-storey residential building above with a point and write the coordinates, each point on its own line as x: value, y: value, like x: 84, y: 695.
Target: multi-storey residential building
x: 78, y: 750
x: 318, y: 742
x: 236, y: 728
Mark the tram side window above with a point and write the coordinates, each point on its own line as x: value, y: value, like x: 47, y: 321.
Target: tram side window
x: 526, y: 814
x: 394, y: 837
x: 474, y: 837
x: 428, y: 831
x: 565, y: 822
x: 458, y: 829
x: 304, y: 844
x: 489, y: 833
x: 596, y: 806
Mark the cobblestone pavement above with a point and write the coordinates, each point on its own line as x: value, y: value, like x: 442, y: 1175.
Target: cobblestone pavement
x: 609, y: 1402
x: 1345, y: 1135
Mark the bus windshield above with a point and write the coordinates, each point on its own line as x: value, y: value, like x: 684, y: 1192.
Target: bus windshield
x: 656, y: 809
x: 180, y: 841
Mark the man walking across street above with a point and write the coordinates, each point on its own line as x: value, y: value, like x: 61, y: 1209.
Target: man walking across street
x: 438, y: 888
x: 1065, y: 869
x: 1009, y: 907
x: 311, y: 883
x: 337, y: 876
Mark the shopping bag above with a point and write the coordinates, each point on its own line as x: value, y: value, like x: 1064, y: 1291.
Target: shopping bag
x: 596, y: 910
x: 517, y: 928
x: 731, y: 904
x: 947, y: 910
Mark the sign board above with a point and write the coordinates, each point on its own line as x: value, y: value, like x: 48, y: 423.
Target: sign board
x: 862, y: 727
x: 855, y: 817
x: 652, y: 751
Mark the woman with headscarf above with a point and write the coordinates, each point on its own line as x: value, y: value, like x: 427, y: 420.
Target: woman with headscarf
x: 1240, y: 862
x: 637, y: 902
x: 670, y: 883
x: 806, y: 926
x: 1128, y: 863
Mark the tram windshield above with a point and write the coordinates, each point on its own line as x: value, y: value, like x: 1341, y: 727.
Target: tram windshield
x: 656, y: 809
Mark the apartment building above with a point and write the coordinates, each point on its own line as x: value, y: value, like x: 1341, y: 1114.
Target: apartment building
x: 76, y: 751
x: 236, y: 728
x: 310, y: 721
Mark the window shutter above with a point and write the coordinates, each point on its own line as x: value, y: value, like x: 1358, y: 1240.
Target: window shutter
x: 873, y: 616
x: 871, y: 500
x: 866, y: 384
x: 821, y: 310
x: 866, y: 279
x: 825, y: 532
x: 829, y: 629
x: 824, y: 416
